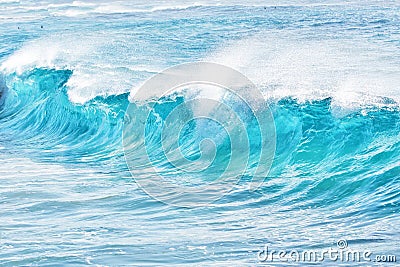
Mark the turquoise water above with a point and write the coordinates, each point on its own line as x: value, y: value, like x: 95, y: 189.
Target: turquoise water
x: 329, y: 73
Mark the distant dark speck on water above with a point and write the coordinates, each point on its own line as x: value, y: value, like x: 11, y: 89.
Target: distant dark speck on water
x: 41, y: 26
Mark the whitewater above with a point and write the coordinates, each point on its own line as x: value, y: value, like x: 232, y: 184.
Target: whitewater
x: 329, y: 73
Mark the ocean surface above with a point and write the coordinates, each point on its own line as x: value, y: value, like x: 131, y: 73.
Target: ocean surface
x: 329, y: 72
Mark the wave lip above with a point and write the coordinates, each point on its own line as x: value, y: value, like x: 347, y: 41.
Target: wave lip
x: 91, y: 77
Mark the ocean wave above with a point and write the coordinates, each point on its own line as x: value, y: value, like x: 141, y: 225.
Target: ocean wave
x: 68, y: 195
x: 98, y: 67
x: 323, y: 162
x: 312, y: 139
x: 353, y: 76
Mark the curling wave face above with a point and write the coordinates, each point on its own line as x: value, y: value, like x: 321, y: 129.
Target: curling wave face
x: 37, y: 113
x: 322, y: 158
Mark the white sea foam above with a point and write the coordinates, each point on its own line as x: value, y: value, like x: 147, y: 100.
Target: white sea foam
x: 9, y: 1
x: 353, y: 72
x: 90, y: 7
x: 98, y: 68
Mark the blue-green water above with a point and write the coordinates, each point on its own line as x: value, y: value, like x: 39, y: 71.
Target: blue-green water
x: 330, y: 75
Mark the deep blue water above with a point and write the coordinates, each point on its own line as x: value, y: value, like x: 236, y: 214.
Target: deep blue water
x: 330, y: 74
